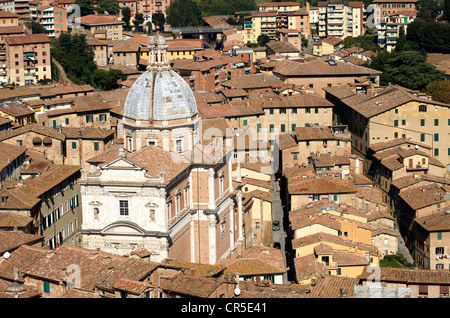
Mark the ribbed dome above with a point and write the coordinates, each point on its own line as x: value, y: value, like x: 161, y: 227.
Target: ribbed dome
x: 159, y: 93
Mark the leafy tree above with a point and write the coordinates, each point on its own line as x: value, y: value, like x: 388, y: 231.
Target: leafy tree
x: 225, y: 7
x: 86, y: 7
x: 182, y: 13
x: 149, y: 27
x: 110, y: 6
x: 138, y: 20
x: 107, y: 80
x: 158, y: 20
x: 439, y: 90
x: 349, y: 41
x: 263, y: 39
x: 126, y: 16
x: 75, y: 57
x: 410, y: 69
x: 36, y: 28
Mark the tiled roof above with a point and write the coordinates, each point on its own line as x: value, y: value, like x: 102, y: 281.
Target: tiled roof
x: 98, y: 19
x: 27, y: 39
x: 320, y: 67
x: 410, y: 276
x: 10, y: 240
x: 191, y: 285
x: 320, y: 185
x: 95, y: 133
x: 334, y: 287
x: 435, y: 221
x: 423, y: 196
x: 34, y: 127
x: 15, y: 110
x: 308, y: 267
x: 314, y: 132
x: 13, y: 219
x: 203, y: 270
x: 9, y: 153
x: 253, y: 81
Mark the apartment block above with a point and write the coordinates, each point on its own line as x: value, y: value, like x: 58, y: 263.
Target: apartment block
x: 390, y: 25
x: 273, y: 16
x: 94, y: 23
x: 341, y: 19
x: 28, y: 59
x: 52, y: 18
x: 149, y: 7
x: 388, y: 7
x: 392, y: 112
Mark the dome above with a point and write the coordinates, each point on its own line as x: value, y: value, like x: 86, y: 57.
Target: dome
x: 160, y: 93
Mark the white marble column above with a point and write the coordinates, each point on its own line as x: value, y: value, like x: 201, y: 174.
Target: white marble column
x: 212, y: 223
x: 212, y: 199
x: 240, y: 215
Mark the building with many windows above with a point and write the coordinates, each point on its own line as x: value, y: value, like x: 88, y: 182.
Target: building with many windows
x: 340, y: 19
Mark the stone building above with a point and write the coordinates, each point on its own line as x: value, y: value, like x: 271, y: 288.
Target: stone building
x: 166, y: 190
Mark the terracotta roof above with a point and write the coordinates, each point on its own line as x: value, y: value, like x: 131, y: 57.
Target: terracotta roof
x: 410, y: 276
x: 424, y: 196
x: 95, y: 133
x: 99, y: 19
x: 309, y: 267
x: 322, y: 68
x: 34, y: 127
x: 203, y: 270
x: 8, y: 14
x: 27, y: 39
x: 332, y: 40
x: 397, y: 142
x: 11, y: 240
x: 253, y: 81
x: 314, y: 132
x: 14, y: 29
x: 334, y: 287
x: 190, y: 285
x: 8, y: 153
x: 16, y: 109
x: 436, y: 221
x: 282, y: 47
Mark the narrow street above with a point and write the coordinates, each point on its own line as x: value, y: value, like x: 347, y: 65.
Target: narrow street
x: 278, y: 214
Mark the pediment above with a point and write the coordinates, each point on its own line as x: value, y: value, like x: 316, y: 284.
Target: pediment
x: 120, y: 163
x: 123, y: 228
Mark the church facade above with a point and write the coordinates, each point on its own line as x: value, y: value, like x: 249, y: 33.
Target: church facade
x: 151, y: 194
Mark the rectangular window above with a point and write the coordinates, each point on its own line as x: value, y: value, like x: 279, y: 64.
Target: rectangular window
x: 74, y: 145
x: 258, y: 127
x: 123, y: 204
x: 422, y: 137
x: 436, y: 122
x: 96, y: 147
x: 403, y: 122
x: 272, y: 128
x: 283, y: 128
x: 439, y: 235
x: 67, y: 121
x: 436, y: 137
x: 293, y: 127
x: 245, y: 122
x: 271, y: 111
x: 89, y: 118
x: 396, y: 123
x: 440, y: 250
x: 422, y: 122
x: 436, y: 151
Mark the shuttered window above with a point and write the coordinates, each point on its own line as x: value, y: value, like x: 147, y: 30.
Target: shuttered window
x: 423, y: 289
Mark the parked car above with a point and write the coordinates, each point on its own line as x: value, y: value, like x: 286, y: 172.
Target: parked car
x: 276, y: 225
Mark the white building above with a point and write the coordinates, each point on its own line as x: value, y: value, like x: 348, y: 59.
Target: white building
x: 165, y: 192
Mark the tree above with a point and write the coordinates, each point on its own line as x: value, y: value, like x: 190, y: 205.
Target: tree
x: 401, y: 40
x: 439, y: 90
x: 263, y: 39
x: 182, y: 13
x: 107, y: 80
x: 149, y: 27
x: 109, y: 6
x: 158, y: 20
x: 410, y: 69
x: 126, y: 16
x: 86, y: 7
x: 138, y: 20
x: 36, y: 28
x: 75, y: 57
x: 349, y: 42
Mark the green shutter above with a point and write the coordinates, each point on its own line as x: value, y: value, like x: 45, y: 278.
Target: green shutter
x: 422, y: 122
x: 422, y: 137
x: 396, y: 123
x: 293, y: 127
x: 436, y: 151
x: 245, y: 122
x: 74, y: 145
x: 272, y: 128
x: 67, y: 121
x: 46, y: 286
x: 436, y: 122
x: 439, y: 235
x: 403, y: 122
x: 436, y: 137
x: 96, y: 145
x: 258, y: 127
x: 283, y: 127
x: 271, y: 111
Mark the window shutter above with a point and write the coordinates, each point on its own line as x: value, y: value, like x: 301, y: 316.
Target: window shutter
x: 423, y: 289
x: 443, y: 289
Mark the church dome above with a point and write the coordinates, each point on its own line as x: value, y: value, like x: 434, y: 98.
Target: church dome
x: 160, y: 93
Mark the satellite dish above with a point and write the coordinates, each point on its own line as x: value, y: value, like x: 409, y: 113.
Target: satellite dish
x: 6, y: 255
x: 237, y: 291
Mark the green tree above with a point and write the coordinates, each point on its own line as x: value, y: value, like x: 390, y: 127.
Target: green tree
x: 107, y: 80
x: 75, y: 57
x: 109, y: 6
x: 158, y: 20
x: 126, y: 16
x: 86, y: 7
x: 182, y: 13
x: 401, y: 40
x: 349, y: 42
x: 410, y: 69
x: 138, y: 20
x: 36, y: 27
x: 149, y: 27
x: 263, y: 39
x: 439, y: 90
